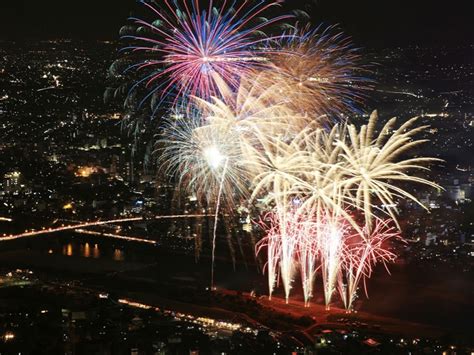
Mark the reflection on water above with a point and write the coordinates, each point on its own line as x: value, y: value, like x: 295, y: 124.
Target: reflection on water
x: 67, y: 250
x: 118, y: 255
x: 89, y: 250
x: 95, y: 252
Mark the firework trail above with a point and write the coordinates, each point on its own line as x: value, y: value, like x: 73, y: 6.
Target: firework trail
x: 214, y: 232
x: 362, y: 255
x: 307, y: 256
x: 332, y: 250
x: 272, y: 242
x: 283, y: 231
x: 255, y: 110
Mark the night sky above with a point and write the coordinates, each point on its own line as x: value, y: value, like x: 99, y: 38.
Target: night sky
x: 370, y: 22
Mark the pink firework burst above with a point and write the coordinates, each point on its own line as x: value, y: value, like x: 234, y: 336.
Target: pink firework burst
x: 190, y: 50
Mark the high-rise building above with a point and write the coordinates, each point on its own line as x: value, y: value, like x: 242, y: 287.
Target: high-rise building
x: 12, y: 181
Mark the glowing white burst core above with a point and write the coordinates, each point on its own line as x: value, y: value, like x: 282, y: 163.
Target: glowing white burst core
x: 213, y: 156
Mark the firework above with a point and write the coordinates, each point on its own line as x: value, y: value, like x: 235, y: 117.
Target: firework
x: 322, y: 242
x: 314, y: 183
x: 307, y: 255
x: 240, y: 133
x: 205, y: 149
x: 306, y: 168
x: 207, y: 161
x: 204, y: 160
x: 256, y: 110
x: 361, y: 255
x: 332, y: 250
x: 372, y: 166
x: 198, y: 51
x: 247, y: 126
x: 350, y: 169
x: 285, y: 233
x: 324, y: 70
x: 272, y: 242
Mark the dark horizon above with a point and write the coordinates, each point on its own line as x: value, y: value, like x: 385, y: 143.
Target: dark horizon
x: 371, y: 23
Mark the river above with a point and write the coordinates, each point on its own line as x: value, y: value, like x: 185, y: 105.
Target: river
x: 436, y: 296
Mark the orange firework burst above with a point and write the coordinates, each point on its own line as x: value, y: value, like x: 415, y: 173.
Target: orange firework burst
x: 324, y: 70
